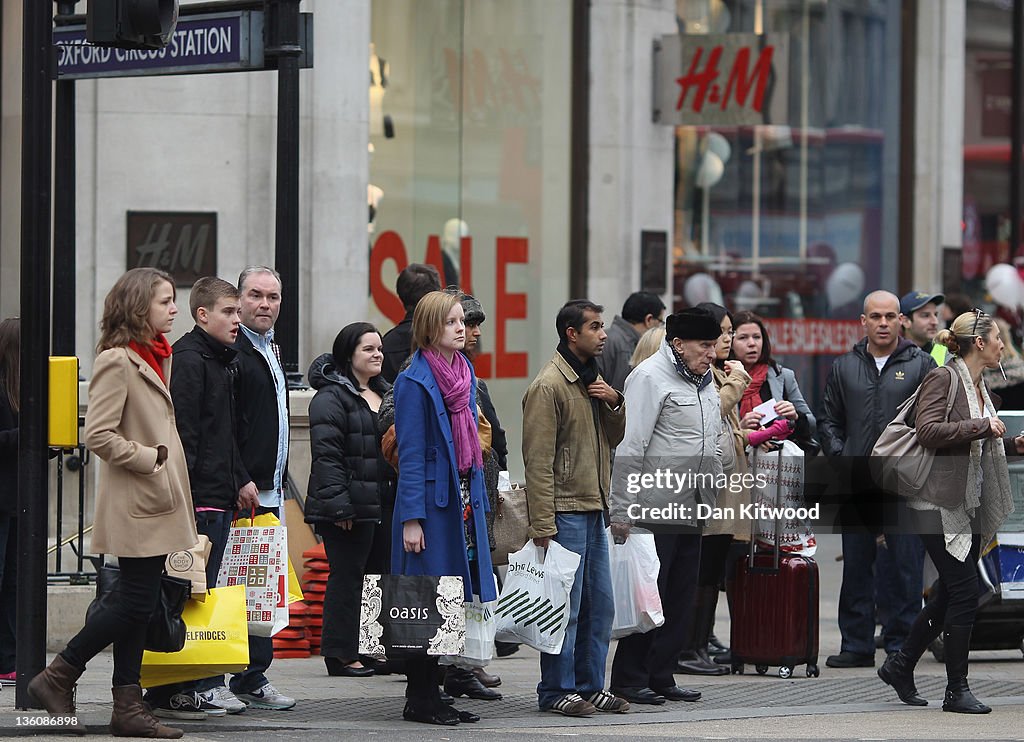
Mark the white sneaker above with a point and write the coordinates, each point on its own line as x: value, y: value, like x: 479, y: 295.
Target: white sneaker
x: 221, y: 697
x: 267, y: 697
x: 188, y: 706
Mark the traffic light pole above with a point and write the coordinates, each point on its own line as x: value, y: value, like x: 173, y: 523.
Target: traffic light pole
x: 64, y: 254
x: 33, y: 500
x: 282, y: 24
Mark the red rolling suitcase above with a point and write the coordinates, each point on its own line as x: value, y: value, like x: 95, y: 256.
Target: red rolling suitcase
x: 775, y: 611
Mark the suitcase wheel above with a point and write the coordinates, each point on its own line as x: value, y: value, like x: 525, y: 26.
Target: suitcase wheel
x: 761, y: 669
x: 813, y: 671
x: 785, y: 672
x: 737, y: 669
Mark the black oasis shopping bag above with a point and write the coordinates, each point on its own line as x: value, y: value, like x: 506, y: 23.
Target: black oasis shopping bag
x: 412, y: 616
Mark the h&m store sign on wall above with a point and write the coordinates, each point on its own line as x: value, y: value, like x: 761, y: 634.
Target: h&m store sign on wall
x: 721, y: 79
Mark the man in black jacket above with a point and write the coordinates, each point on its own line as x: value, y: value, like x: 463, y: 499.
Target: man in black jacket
x: 202, y: 390
x: 262, y: 435
x: 864, y: 388
x: 413, y: 283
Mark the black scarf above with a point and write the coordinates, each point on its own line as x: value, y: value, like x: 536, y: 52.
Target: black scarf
x: 586, y: 371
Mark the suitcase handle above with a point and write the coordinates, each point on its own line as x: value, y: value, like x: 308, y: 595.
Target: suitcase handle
x: 774, y: 569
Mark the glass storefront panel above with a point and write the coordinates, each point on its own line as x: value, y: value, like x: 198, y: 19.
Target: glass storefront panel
x: 476, y: 177
x: 988, y: 86
x: 795, y: 217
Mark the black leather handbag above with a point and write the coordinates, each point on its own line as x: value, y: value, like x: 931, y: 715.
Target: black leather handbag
x: 166, y: 630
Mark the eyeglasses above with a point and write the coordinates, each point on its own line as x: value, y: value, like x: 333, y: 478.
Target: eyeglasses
x: 730, y: 333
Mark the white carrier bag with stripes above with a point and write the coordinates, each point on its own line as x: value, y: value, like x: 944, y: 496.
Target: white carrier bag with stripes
x: 533, y: 607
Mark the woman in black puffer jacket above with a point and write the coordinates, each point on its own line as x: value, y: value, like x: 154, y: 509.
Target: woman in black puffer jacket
x: 349, y: 484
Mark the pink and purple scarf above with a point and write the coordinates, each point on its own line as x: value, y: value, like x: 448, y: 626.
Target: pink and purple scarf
x: 455, y: 380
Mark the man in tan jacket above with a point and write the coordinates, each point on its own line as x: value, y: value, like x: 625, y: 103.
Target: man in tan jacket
x: 574, y: 419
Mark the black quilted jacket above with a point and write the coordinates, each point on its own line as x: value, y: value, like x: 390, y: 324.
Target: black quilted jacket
x: 349, y: 476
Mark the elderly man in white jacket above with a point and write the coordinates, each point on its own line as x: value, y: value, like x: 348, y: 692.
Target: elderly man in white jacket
x: 668, y: 463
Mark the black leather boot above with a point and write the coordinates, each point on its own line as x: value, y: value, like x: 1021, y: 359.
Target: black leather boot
x: 695, y: 660
x: 958, y: 698
x: 898, y: 668
x: 459, y: 681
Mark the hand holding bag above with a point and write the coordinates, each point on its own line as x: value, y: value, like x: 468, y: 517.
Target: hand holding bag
x: 902, y: 465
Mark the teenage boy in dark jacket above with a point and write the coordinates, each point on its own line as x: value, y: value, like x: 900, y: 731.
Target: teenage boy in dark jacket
x: 864, y: 388
x: 202, y: 390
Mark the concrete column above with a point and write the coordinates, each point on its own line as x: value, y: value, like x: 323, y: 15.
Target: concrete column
x: 10, y: 160
x: 939, y: 135
x: 631, y: 161
x: 336, y: 171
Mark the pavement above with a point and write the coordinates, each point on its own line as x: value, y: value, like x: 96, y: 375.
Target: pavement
x: 840, y: 704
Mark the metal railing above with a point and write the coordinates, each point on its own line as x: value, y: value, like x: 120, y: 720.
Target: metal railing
x: 76, y: 568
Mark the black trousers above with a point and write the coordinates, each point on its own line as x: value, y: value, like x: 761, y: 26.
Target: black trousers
x: 954, y: 601
x: 714, y: 551
x: 351, y: 554
x: 421, y: 674
x: 122, y: 624
x: 649, y: 660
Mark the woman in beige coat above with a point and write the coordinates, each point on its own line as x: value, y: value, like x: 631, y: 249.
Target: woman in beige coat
x: 143, y: 505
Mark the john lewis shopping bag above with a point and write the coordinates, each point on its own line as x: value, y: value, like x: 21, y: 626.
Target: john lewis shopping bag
x: 533, y: 607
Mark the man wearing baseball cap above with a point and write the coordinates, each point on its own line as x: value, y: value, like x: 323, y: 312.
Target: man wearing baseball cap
x: 920, y: 322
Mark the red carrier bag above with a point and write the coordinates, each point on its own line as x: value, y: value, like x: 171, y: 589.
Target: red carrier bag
x: 775, y: 611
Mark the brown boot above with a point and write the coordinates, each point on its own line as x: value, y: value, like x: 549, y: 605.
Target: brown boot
x: 54, y: 689
x: 132, y: 718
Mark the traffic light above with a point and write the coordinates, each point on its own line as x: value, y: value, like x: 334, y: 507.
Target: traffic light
x: 131, y: 24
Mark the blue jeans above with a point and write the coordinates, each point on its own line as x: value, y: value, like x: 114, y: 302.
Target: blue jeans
x: 897, y: 580
x: 579, y: 668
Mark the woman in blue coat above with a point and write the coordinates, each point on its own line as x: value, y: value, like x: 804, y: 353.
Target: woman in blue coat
x: 439, y: 526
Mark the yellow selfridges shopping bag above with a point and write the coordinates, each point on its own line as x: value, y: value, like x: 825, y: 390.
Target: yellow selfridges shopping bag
x: 269, y: 519
x: 216, y: 641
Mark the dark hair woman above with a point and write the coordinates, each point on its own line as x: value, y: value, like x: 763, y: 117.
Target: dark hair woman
x: 348, y: 482
x: 969, y: 500
x: 770, y: 380
x: 10, y: 358
x: 143, y: 503
x: 439, y: 523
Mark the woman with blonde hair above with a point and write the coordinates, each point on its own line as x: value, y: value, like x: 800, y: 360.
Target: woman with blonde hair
x: 439, y: 524
x: 143, y: 503
x: 647, y: 345
x: 967, y: 499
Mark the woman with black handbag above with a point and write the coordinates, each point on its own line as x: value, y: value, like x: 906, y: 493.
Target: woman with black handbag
x: 348, y: 482
x: 966, y: 500
x: 143, y: 504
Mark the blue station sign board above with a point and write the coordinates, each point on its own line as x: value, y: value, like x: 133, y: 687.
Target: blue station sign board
x: 213, y: 42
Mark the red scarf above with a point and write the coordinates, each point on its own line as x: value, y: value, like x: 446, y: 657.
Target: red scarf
x: 752, y: 394
x: 154, y: 354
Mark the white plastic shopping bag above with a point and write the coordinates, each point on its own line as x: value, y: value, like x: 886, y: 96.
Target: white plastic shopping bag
x: 533, y: 607
x: 634, y: 567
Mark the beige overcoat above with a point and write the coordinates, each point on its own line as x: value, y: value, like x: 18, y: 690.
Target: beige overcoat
x: 141, y: 510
